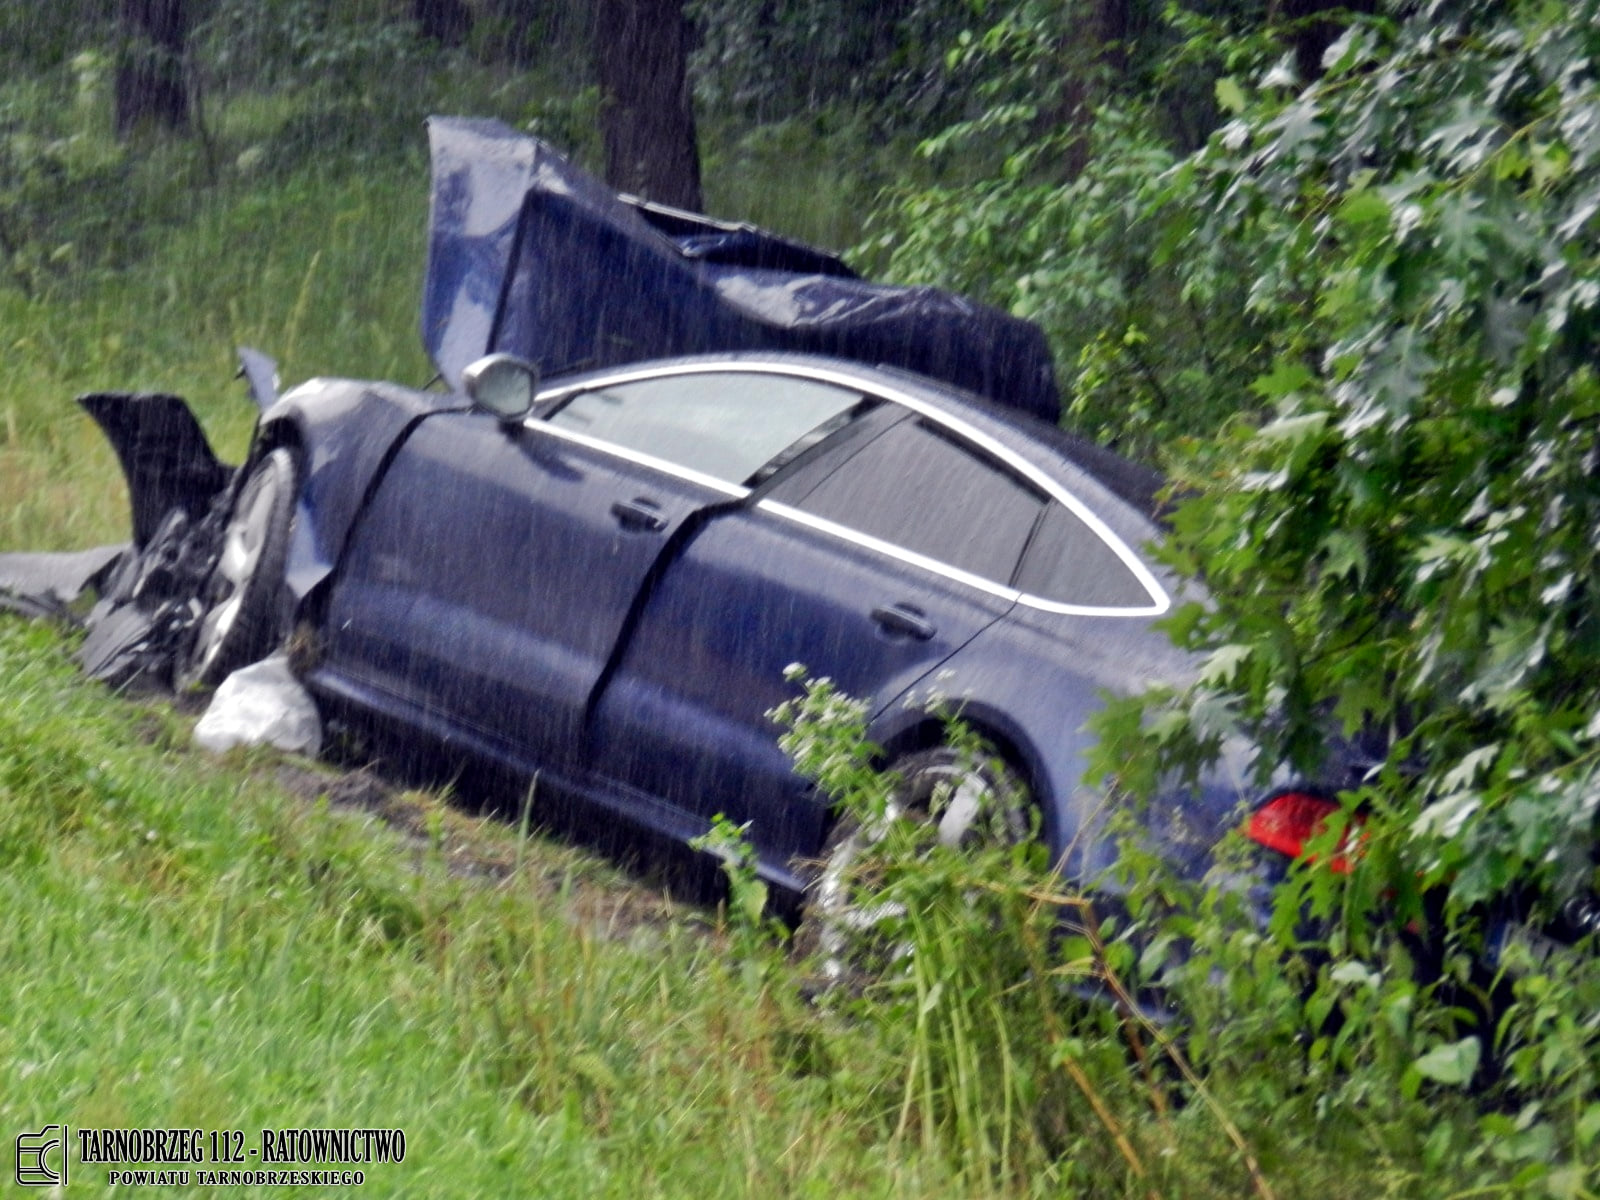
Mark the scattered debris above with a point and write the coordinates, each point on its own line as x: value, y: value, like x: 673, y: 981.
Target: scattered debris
x: 262, y: 704
x: 47, y: 585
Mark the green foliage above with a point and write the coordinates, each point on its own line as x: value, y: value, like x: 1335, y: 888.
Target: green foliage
x: 295, y: 43
x: 1057, y: 207
x: 771, y: 63
x: 1154, y: 340
x: 1360, y: 324
x: 984, y: 980
x: 1406, y: 550
x: 1411, y: 538
x: 40, y: 37
x: 756, y: 934
x: 64, y: 194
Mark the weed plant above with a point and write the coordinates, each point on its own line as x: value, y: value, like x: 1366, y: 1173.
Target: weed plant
x: 1018, y: 1050
x: 1017, y: 1020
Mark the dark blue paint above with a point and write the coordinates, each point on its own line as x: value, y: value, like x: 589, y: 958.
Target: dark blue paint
x: 490, y: 592
x: 344, y: 432
x: 492, y: 578
x: 685, y: 715
x: 528, y: 254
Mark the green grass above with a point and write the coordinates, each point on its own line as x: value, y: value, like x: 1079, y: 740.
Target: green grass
x: 185, y: 945
x: 323, y: 274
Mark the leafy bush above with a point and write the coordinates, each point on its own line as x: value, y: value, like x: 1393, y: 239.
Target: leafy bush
x: 63, y: 182
x: 1407, y: 550
x: 1156, y: 344
x: 1062, y: 215
x: 1409, y: 544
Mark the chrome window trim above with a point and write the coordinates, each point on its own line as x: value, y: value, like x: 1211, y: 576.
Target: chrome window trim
x: 1160, y: 602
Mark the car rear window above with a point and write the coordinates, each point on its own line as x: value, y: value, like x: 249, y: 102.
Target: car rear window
x: 1070, y: 563
x: 727, y: 424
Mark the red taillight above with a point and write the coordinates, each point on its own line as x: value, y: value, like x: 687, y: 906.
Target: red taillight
x: 1290, y: 820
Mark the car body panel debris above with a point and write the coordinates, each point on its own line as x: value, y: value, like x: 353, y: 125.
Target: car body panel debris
x: 48, y: 584
x: 532, y: 256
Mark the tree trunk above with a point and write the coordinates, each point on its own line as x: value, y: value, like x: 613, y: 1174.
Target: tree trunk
x: 641, y: 51
x: 1316, y: 25
x: 150, y: 83
x: 1091, y: 56
x: 444, y: 21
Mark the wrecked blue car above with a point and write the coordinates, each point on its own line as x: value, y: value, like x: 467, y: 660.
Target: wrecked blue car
x: 670, y: 458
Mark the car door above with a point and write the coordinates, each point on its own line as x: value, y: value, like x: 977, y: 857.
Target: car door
x: 495, y: 568
x: 870, y: 562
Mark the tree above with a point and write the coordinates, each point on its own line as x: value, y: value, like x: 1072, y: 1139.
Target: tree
x: 444, y: 21
x: 1409, y: 546
x: 1093, y: 57
x: 641, y: 51
x: 150, y: 82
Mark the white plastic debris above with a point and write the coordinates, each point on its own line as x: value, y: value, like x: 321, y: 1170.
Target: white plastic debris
x: 262, y: 704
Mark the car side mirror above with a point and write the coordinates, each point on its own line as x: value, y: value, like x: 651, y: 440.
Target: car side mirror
x: 502, y: 384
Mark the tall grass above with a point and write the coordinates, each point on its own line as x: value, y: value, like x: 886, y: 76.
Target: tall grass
x: 325, y: 275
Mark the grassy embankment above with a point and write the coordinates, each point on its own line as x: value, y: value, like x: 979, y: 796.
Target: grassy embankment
x: 184, y: 946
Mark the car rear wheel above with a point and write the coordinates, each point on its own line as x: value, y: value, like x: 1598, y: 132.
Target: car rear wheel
x: 963, y: 803
x: 240, y: 623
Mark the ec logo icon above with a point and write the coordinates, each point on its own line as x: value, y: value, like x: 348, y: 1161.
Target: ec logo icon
x: 36, y: 1151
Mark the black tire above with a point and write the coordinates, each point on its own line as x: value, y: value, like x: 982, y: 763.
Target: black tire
x: 966, y: 802
x: 240, y: 622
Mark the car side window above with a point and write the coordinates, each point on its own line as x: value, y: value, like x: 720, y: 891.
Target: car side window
x: 1070, y: 563
x: 725, y: 424
x: 919, y: 488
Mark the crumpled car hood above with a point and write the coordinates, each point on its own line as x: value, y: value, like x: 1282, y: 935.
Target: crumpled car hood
x: 529, y: 255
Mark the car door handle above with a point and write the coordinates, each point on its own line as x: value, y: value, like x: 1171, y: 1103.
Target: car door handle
x: 638, y: 513
x: 906, y: 619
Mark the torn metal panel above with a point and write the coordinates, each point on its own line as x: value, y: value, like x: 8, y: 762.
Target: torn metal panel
x: 260, y: 371
x: 164, y: 455
x: 530, y: 255
x: 47, y: 585
x: 149, y: 605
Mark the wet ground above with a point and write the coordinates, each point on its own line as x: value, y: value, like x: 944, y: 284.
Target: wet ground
x: 635, y: 907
